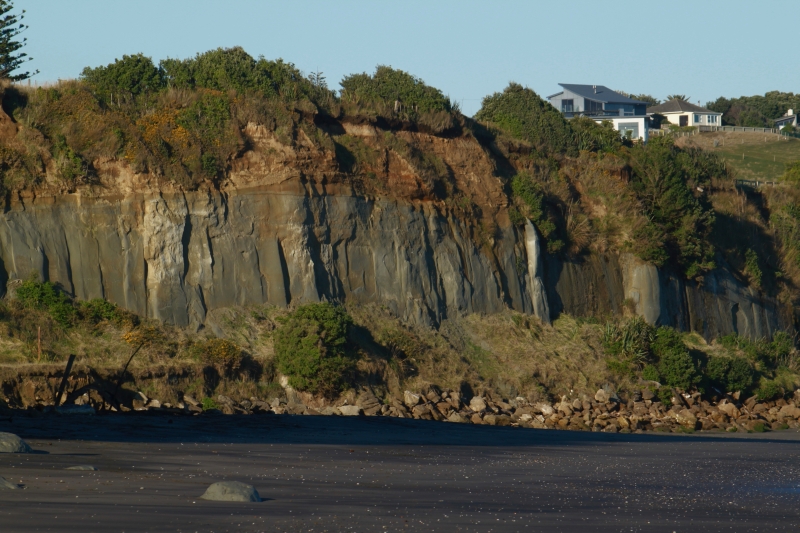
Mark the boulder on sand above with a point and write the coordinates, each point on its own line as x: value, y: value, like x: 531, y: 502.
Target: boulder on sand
x: 231, y: 491
x: 10, y: 443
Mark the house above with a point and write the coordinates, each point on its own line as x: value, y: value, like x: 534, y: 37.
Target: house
x: 789, y: 119
x: 682, y: 113
x: 600, y: 103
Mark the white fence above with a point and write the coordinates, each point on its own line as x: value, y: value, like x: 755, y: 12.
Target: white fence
x: 738, y: 128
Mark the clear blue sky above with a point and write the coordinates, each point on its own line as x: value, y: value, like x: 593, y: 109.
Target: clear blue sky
x: 468, y: 49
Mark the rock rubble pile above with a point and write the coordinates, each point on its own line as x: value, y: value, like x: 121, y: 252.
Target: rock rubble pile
x: 606, y: 411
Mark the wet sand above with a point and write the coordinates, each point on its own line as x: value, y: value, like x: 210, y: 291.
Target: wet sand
x: 381, y: 474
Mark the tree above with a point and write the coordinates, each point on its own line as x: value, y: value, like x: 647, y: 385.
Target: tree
x: 10, y: 28
x: 681, y: 97
x: 649, y: 99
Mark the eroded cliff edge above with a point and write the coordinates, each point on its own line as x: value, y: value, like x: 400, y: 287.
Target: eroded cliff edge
x: 284, y: 230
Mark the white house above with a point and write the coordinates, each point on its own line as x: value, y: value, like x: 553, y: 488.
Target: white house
x: 600, y: 103
x: 682, y: 113
x: 789, y: 119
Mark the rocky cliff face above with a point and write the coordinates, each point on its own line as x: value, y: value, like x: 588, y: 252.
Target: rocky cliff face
x: 611, y: 284
x: 282, y: 230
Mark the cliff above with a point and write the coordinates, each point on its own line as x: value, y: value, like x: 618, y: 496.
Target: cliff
x: 285, y: 228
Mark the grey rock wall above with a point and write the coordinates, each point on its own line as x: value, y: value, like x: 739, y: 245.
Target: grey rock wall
x: 606, y: 284
x: 176, y: 256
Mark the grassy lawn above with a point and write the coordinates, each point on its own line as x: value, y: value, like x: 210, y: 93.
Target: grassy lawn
x: 765, y: 155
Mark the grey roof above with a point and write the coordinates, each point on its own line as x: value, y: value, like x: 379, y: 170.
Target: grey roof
x: 785, y: 118
x: 602, y: 94
x: 679, y: 106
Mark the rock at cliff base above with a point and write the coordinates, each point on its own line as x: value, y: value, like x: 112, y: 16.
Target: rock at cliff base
x: 686, y: 418
x: 411, y: 399
x: 477, y: 404
x: 601, y: 396
x: 457, y: 419
x: 10, y: 443
x: 350, y: 410
x: 231, y: 491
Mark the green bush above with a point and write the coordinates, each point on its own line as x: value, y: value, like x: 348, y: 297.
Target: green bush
x: 593, y: 137
x: 675, y: 363
x: 526, y: 116
x: 129, y: 76
x: 751, y: 267
x: 665, y: 395
x: 768, y: 390
x: 389, y: 85
x: 529, y: 191
x: 233, y: 69
x: 760, y: 351
x: 310, y: 348
x: 209, y: 404
x: 34, y: 294
x: 98, y: 309
x: 730, y: 373
x: 650, y: 373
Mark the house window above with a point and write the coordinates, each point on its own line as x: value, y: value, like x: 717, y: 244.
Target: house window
x: 632, y: 127
x: 592, y: 106
x: 712, y: 119
x: 698, y: 119
x: 566, y: 106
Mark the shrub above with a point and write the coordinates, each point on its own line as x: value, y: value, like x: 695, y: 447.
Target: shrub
x: 529, y: 192
x: 526, y: 116
x: 740, y: 375
x: 129, y: 76
x: 768, y: 390
x: 675, y: 363
x: 629, y: 341
x: 310, y: 348
x: 730, y: 373
x: 233, y: 69
x: 388, y: 85
x: 751, y: 267
x: 209, y: 404
x: 590, y: 136
x: 98, y: 309
x: 650, y: 373
x: 34, y: 294
x: 220, y: 353
x: 664, y: 395
x: 761, y: 351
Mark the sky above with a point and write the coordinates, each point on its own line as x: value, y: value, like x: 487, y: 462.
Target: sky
x: 469, y: 49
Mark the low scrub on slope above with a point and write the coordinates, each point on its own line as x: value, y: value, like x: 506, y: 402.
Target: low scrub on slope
x: 328, y: 351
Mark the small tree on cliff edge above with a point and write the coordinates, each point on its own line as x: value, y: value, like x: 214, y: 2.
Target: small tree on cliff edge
x: 10, y: 57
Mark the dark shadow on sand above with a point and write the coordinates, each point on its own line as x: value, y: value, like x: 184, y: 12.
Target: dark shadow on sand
x: 350, y: 431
